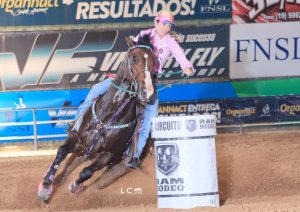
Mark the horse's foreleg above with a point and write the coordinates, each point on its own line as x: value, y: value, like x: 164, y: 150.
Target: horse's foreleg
x: 45, y: 188
x: 73, y: 162
x: 62, y: 153
x: 101, y: 161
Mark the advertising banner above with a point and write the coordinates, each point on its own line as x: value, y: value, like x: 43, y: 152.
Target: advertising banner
x: 227, y: 111
x: 272, y: 51
x: 64, y: 12
x: 267, y: 11
x: 63, y: 59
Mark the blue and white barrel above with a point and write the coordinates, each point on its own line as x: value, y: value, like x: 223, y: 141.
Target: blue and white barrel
x: 185, y: 158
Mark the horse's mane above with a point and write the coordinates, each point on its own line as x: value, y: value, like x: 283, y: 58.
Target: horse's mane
x: 145, y: 40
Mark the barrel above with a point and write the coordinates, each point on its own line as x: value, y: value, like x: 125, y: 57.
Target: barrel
x: 185, y: 160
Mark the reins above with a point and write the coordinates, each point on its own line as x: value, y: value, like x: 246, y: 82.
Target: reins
x: 175, y: 82
x: 133, y: 93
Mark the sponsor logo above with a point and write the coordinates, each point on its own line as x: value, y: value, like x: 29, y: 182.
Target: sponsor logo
x: 215, y: 6
x: 20, y: 103
x: 167, y: 158
x: 170, y: 184
x: 57, y: 63
x: 241, y: 112
x: 213, y: 1
x: 266, y: 55
x: 266, y: 109
x: 208, y: 123
x: 291, y: 109
x: 190, y: 125
x: 270, y: 49
x: 257, y: 7
x: 27, y: 7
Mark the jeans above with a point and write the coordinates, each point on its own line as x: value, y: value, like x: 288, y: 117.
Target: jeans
x: 97, y: 90
x: 150, y: 112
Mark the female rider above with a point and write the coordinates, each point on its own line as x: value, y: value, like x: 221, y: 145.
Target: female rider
x: 164, y: 44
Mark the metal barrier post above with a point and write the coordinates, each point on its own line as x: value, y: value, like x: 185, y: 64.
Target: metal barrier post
x: 35, y: 134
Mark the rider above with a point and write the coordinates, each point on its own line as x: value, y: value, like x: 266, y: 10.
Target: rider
x: 164, y: 43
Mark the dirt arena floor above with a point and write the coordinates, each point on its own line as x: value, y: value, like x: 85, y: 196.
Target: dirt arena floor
x: 257, y: 172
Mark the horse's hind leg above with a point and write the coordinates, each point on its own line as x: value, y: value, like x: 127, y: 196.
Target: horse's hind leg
x: 112, y: 174
x: 101, y: 161
x: 45, y: 188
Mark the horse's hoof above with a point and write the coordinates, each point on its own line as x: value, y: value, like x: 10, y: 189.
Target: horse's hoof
x: 44, y: 192
x: 75, y: 189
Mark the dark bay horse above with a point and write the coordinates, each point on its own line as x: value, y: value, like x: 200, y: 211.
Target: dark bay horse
x: 101, y: 134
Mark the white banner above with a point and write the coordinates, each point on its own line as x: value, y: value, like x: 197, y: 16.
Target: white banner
x: 264, y: 50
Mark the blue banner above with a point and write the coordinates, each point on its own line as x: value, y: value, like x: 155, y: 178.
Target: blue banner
x: 196, y: 91
x: 64, y: 12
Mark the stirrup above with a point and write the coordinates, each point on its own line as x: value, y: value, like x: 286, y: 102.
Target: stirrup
x: 134, y: 163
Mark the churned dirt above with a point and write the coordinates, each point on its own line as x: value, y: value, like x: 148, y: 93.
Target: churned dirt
x: 257, y: 172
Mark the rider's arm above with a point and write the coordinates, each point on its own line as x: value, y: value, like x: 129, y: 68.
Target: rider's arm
x: 180, y: 57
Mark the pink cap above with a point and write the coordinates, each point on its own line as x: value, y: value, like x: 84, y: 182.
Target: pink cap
x: 165, y: 16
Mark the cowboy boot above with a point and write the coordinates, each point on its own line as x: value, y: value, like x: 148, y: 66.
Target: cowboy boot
x: 133, y: 161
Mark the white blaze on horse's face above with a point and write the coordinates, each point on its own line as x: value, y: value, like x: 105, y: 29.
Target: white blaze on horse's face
x: 148, y: 80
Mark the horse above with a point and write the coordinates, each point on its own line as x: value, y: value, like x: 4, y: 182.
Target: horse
x: 102, y: 133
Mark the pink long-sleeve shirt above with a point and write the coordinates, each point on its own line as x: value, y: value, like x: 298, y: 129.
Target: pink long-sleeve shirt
x: 165, y: 46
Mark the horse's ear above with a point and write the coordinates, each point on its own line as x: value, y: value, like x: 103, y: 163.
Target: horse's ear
x: 129, y: 41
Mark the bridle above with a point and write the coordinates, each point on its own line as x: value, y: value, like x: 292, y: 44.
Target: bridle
x: 133, y: 85
x: 134, y: 93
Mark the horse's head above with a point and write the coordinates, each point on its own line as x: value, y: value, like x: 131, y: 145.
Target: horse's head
x: 140, y: 62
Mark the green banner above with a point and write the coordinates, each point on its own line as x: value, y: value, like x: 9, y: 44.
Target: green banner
x: 274, y: 87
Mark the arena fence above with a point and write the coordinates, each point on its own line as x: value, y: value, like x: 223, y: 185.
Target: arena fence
x: 48, y: 125
x: 33, y: 125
